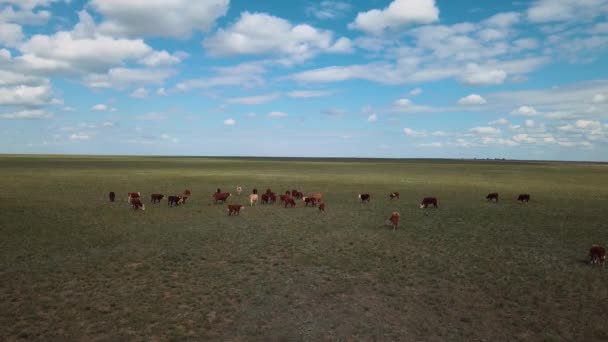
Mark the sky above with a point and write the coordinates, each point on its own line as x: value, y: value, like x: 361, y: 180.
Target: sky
x: 302, y: 78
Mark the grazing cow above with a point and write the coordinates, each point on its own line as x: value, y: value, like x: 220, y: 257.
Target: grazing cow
x: 310, y: 200
x: 492, y: 197
x: 221, y: 196
x: 239, y: 190
x: 322, y: 206
x: 524, y: 198
x: 394, y: 219
x: 365, y: 197
x: 290, y: 202
x: 253, y: 199
x: 235, y: 209
x: 298, y: 195
x: 177, y: 200
x: 156, y: 197
x: 393, y: 195
x: 112, y: 196
x: 597, y: 255
x: 136, y: 204
x: 265, y: 199
x: 428, y: 201
x: 132, y: 195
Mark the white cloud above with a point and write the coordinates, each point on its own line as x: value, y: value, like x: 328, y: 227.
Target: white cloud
x: 501, y: 121
x: 245, y: 74
x: 372, y: 118
x: 160, y: 58
x: 174, y: 18
x: 99, y: 108
x: 498, y: 141
x: 10, y: 34
x: 399, y: 13
x: 473, y: 99
x: 477, y: 75
x: 261, y: 33
x: 30, y: 4
x: 80, y: 137
x: 25, y: 95
x: 503, y: 20
x: 414, y: 134
x: 566, y: 10
x: 276, y: 114
x: 167, y: 137
x: 415, y: 92
x: 161, y: 92
x: 108, y: 124
x: 439, y: 134
x: 530, y: 123
x: 229, y: 122
x: 433, y: 144
x: 254, y: 100
x: 34, y: 114
x: 328, y: 9
x: 597, y: 98
x: 120, y: 78
x: 525, y: 111
x: 308, y: 93
x: 139, y: 93
x: 485, y: 130
x: 152, y: 116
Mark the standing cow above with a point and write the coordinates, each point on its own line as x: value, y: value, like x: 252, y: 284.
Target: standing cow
x: 524, y: 198
x: 428, y: 201
x: 132, y: 195
x: 154, y: 198
x: 597, y: 255
x: 394, y: 219
x: 322, y: 206
x: 136, y: 204
x: 221, y: 196
x: 174, y: 200
x: 253, y: 199
x: 492, y: 197
x: 235, y: 209
x: 365, y: 198
x: 112, y: 196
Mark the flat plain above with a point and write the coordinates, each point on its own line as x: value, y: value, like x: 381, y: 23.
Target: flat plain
x: 74, y: 266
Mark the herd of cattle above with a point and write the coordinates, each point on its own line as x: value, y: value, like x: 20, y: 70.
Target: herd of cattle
x: 597, y: 253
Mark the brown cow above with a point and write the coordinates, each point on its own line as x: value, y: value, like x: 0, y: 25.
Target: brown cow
x: 171, y: 200
x: 156, y: 197
x: 597, y: 255
x: 284, y: 197
x: 310, y: 200
x: 492, y: 197
x: 184, y: 198
x: 112, y: 196
x: 187, y: 192
x: 272, y: 198
x: 428, y: 201
x: 132, y: 195
x: 136, y: 204
x: 524, y: 198
x: 322, y: 206
x: 393, y: 195
x: 235, y: 209
x: 265, y: 199
x: 297, y: 195
x: 290, y: 202
x: 394, y: 219
x: 364, y: 197
x: 221, y: 196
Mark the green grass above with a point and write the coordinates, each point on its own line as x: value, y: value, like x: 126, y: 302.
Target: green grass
x: 76, y: 267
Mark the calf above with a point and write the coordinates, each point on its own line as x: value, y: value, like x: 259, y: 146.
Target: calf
x: 492, y: 197
x: 290, y: 202
x: 112, y: 196
x: 597, y: 255
x: 253, y: 199
x: 394, y: 219
x: 322, y: 206
x: 156, y: 197
x: 365, y: 197
x: 171, y: 200
x: 136, y: 204
x: 524, y: 198
x: 235, y: 209
x: 393, y: 195
x: 428, y: 201
x: 132, y: 195
x: 310, y: 200
x: 221, y: 196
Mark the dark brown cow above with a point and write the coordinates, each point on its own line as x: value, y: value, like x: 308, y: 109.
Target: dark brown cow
x: 428, y: 201
x: 393, y: 195
x: 132, y: 195
x: 322, y: 206
x: 492, y: 197
x: 524, y: 198
x: 364, y: 197
x: 293, y: 192
x: 235, y: 209
x: 290, y: 202
x: 310, y: 200
x: 265, y: 199
x: 597, y: 255
x: 156, y: 197
x: 112, y: 196
x: 298, y: 195
x: 171, y: 200
x: 284, y: 197
x: 187, y: 192
x: 136, y: 204
x: 394, y: 219
x: 272, y: 198
x: 221, y: 196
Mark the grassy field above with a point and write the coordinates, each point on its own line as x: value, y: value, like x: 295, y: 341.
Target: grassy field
x: 75, y: 267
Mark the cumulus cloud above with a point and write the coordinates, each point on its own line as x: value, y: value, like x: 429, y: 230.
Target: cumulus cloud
x: 415, y: 92
x: 308, y: 93
x: 80, y: 136
x: 372, y: 118
x: 477, y: 75
x: 176, y: 18
x: 249, y: 74
x: 35, y: 114
x: 161, y: 92
x: 328, y: 9
x: 139, y: 93
x: 120, y: 78
x: 542, y: 11
x: 399, y: 13
x: 254, y: 100
x: 160, y: 58
x: 99, y: 108
x: 525, y: 111
x: 414, y: 134
x: 23, y: 95
x: 263, y: 34
x: 10, y: 34
x: 485, y: 130
x: 473, y: 99
x: 277, y: 114
x: 501, y: 121
x: 229, y: 122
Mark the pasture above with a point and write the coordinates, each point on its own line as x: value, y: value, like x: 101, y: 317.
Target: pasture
x: 76, y: 267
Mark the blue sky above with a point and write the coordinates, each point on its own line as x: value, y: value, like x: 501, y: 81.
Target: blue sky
x: 401, y: 78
